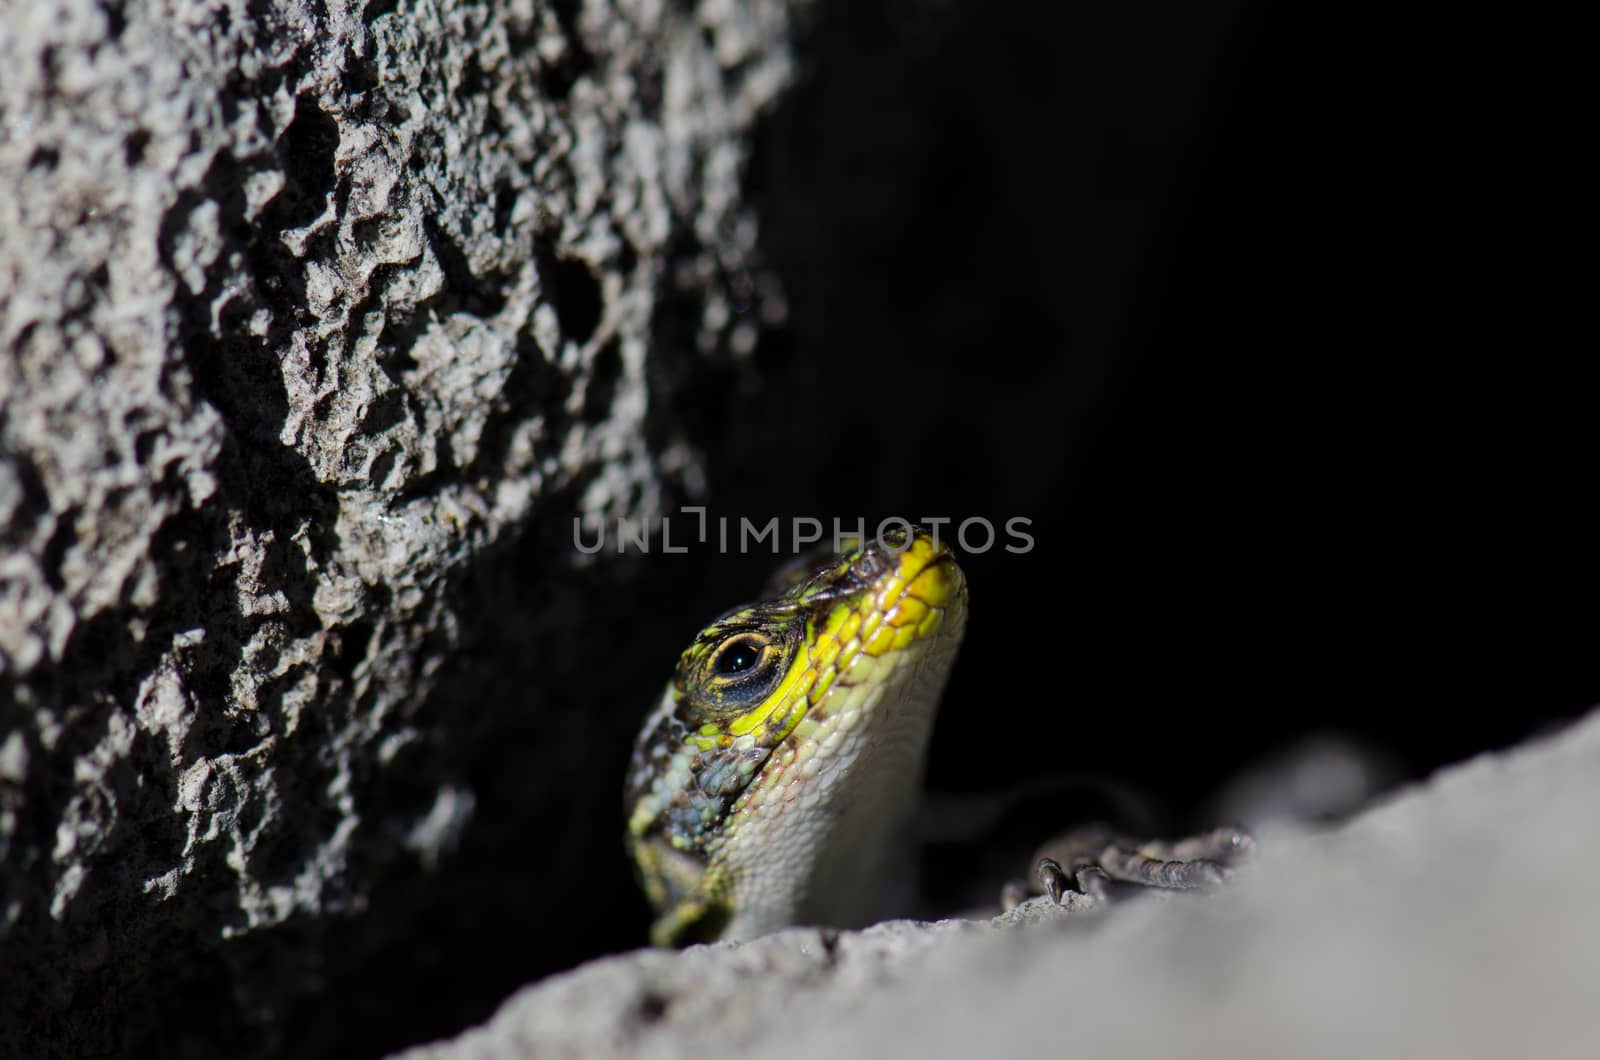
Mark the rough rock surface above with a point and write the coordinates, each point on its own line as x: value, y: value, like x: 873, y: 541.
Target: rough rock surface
x: 317, y: 321
x: 1456, y: 919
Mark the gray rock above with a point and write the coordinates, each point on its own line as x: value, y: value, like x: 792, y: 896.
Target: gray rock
x: 318, y: 324
x: 1456, y: 919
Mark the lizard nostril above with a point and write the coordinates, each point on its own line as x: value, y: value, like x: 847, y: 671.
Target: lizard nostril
x: 869, y: 566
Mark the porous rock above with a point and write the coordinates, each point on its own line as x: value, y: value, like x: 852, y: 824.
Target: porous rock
x: 318, y: 323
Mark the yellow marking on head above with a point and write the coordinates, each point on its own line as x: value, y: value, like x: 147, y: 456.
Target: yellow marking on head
x: 794, y: 683
x: 935, y: 583
x: 909, y: 613
x: 823, y: 683
x: 908, y: 604
x: 826, y: 652
x: 880, y: 642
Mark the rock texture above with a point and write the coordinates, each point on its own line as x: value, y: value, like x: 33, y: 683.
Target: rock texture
x: 1456, y: 919
x: 318, y: 323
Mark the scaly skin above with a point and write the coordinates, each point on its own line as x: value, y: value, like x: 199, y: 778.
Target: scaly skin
x: 775, y: 782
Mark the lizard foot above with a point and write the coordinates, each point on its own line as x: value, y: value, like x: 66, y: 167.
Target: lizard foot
x: 1090, y: 860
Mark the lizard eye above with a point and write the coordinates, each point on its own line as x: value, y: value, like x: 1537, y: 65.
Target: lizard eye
x: 741, y: 671
x: 738, y: 656
x: 735, y: 669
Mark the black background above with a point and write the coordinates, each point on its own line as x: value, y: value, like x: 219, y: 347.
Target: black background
x: 1259, y: 318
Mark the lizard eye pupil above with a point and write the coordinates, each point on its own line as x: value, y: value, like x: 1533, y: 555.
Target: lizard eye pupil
x: 738, y: 657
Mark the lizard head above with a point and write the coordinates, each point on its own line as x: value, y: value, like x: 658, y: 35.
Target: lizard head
x: 813, y: 699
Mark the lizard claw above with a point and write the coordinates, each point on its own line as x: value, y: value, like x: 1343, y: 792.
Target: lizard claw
x: 1090, y: 880
x: 1052, y: 878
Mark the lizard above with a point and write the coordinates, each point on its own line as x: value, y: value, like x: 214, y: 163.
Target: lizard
x: 775, y: 782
